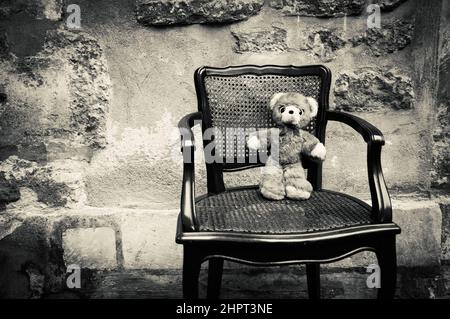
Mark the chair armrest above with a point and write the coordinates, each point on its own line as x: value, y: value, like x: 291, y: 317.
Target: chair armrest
x: 187, y: 205
x: 185, y: 126
x: 369, y: 132
x: 381, y: 202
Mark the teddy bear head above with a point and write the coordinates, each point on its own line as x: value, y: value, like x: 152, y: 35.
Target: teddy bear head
x: 293, y: 109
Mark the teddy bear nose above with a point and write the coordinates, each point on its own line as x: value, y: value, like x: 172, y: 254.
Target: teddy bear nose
x: 291, y: 112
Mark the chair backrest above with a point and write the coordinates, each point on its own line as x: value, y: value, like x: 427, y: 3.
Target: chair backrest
x: 237, y: 97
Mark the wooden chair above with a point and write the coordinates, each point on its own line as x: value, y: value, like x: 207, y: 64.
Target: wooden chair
x: 238, y: 224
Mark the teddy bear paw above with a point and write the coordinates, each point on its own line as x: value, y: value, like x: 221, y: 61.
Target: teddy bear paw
x: 272, y: 194
x: 297, y: 194
x: 319, y: 151
x: 254, y: 143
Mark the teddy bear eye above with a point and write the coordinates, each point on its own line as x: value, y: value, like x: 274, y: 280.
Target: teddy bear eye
x: 282, y: 108
x: 300, y: 112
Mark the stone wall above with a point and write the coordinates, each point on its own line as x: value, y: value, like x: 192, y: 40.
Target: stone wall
x: 86, y: 145
x: 56, y: 91
x: 88, y: 116
x: 144, y: 103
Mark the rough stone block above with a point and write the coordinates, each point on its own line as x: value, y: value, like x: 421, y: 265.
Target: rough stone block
x: 54, y: 185
x: 9, y: 192
x: 148, y: 240
x: 167, y: 12
x: 445, y: 208
x: 372, y: 89
x: 261, y: 40
x: 90, y: 247
x: 419, y: 244
x: 324, y: 43
x: 30, y: 262
x: 390, y: 38
x: 440, y: 174
x: 40, y: 9
x: 318, y: 41
x: 89, y: 83
x: 319, y: 8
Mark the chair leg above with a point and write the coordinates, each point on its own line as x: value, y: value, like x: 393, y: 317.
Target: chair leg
x: 192, y: 262
x: 313, y: 278
x: 215, y: 270
x: 387, y: 261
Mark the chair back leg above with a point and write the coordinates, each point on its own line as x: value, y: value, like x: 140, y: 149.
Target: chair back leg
x: 313, y: 278
x: 215, y: 270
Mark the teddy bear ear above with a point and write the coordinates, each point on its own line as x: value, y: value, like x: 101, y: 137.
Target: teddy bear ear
x: 313, y: 105
x: 275, y: 99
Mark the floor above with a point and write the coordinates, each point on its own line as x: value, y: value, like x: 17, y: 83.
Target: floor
x: 251, y: 282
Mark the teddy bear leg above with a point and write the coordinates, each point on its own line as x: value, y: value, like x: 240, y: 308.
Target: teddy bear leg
x: 297, y: 186
x: 272, y: 186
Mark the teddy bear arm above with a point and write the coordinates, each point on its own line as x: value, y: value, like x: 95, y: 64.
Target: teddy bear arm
x: 310, y: 142
x: 313, y: 147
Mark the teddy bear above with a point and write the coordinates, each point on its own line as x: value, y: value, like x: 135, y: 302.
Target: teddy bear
x: 283, y: 174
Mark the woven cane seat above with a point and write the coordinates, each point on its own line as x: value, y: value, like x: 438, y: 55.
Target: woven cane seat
x: 245, y: 210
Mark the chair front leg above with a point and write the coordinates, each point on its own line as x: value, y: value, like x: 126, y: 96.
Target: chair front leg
x: 192, y: 262
x: 387, y: 261
x: 313, y: 279
x: 215, y: 270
